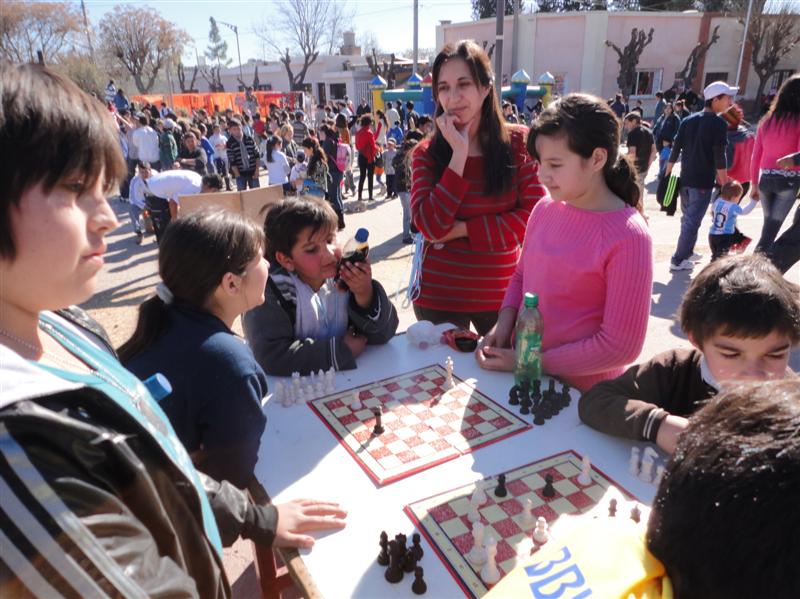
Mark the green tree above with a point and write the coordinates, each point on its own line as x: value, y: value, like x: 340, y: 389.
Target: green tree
x: 217, y: 49
x: 485, y: 9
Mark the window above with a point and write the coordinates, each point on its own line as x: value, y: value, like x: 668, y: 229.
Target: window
x: 338, y: 91
x: 647, y: 83
x: 777, y: 80
x: 712, y: 77
x: 321, y: 98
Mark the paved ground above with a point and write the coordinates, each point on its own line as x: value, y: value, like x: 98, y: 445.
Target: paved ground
x: 131, y: 274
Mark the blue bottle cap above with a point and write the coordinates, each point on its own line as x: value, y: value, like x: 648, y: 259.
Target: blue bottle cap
x: 158, y: 386
x: 362, y: 235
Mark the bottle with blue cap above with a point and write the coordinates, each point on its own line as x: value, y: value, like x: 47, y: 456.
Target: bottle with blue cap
x: 355, y: 250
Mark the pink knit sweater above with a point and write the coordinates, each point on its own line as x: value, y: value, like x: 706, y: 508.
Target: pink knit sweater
x: 593, y: 273
x: 772, y: 142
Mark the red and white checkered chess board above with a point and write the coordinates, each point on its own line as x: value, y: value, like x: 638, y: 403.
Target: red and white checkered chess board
x: 424, y: 424
x: 443, y: 518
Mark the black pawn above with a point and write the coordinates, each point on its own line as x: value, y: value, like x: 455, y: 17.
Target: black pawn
x: 549, y: 490
x: 538, y: 414
x: 410, y: 560
x: 612, y: 508
x: 383, y: 556
x: 500, y: 490
x: 418, y: 586
x: 394, y: 573
x: 525, y: 405
x: 378, y: 428
x: 416, y: 546
x: 513, y: 395
x: 636, y: 514
x: 551, y: 389
x: 536, y: 394
x: 565, y: 396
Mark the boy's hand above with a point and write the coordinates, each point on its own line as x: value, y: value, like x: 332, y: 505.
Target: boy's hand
x: 358, y: 277
x: 306, y: 515
x: 496, y: 358
x: 668, y: 432
x: 355, y: 342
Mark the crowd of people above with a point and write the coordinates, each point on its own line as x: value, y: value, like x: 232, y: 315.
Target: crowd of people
x: 124, y: 469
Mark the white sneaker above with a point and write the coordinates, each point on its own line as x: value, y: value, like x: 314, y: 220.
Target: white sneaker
x: 684, y: 265
x: 695, y: 257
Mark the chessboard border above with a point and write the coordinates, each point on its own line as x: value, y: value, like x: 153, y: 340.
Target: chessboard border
x: 440, y: 551
x: 379, y: 482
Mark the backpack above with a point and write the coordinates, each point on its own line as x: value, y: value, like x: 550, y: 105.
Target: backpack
x: 342, y: 156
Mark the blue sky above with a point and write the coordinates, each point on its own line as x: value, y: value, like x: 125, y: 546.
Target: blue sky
x: 390, y: 20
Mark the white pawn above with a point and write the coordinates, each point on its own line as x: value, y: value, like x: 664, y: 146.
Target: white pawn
x: 356, y: 404
x: 320, y: 388
x: 541, y: 534
x: 479, y: 495
x: 477, y: 555
x: 527, y: 513
x: 473, y: 515
x: 585, y: 477
x: 648, y: 461
x: 300, y: 394
x: 633, y: 464
x: 320, y: 375
x: 448, y: 381
x: 659, y: 474
x: 490, y: 574
x: 330, y: 380
x: 309, y: 392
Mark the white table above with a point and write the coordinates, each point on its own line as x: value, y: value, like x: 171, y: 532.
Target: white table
x: 300, y: 457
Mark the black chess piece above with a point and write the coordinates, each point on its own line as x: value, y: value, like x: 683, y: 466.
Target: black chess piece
x: 612, y: 508
x: 500, y: 490
x: 538, y: 415
x: 410, y: 560
x: 383, y: 556
x: 418, y: 586
x: 549, y: 490
x: 551, y: 388
x: 416, y: 546
x: 536, y: 393
x: 401, y: 545
x: 565, y: 396
x: 525, y: 405
x: 394, y: 573
x: 378, y: 428
x: 636, y: 514
x: 513, y: 395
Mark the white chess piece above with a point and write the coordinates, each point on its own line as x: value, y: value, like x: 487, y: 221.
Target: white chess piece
x: 356, y: 404
x: 490, y: 574
x: 479, y: 496
x: 473, y: 515
x: 448, y: 381
x: 540, y: 533
x: 646, y: 473
x: 477, y: 555
x: 330, y: 381
x: 585, y: 477
x: 300, y: 394
x: 320, y: 388
x: 633, y: 465
x: 527, y: 513
x: 309, y: 389
x: 659, y: 474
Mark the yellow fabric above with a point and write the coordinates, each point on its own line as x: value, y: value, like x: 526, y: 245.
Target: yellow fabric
x: 604, y: 557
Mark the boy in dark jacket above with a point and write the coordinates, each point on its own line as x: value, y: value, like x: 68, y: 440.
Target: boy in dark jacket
x: 743, y: 319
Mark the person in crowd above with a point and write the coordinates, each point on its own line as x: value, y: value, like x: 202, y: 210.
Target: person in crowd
x: 393, y: 117
x: 395, y: 133
x: 402, y: 180
x: 470, y: 207
x: 290, y: 148
x: 91, y: 465
x: 641, y: 149
x: 700, y: 144
x: 219, y: 141
x: 299, y: 127
x: 639, y: 107
x: 724, y: 236
x: 367, y: 151
x: 298, y: 175
x: 742, y: 319
x: 739, y: 151
x: 665, y: 129
x: 121, y: 101
x: 381, y: 128
x: 308, y: 321
x: 167, y: 148
x: 202, y: 130
x: 164, y: 190
x: 329, y: 142
x: 242, y: 157
x: 388, y: 157
x: 363, y: 107
x: 259, y: 126
x: 146, y: 141
x: 619, y: 107
x: 508, y: 112
x: 778, y: 134
x: 345, y: 138
x: 192, y: 157
x: 681, y: 110
x: 785, y: 252
x: 659, y: 107
x: 277, y: 165
x: 138, y: 199
x: 110, y: 91
x: 411, y: 115
x: 587, y: 252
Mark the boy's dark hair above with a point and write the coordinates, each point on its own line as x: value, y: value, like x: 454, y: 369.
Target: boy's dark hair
x: 741, y: 296
x: 50, y: 130
x: 731, y: 190
x: 143, y: 164
x: 194, y: 254
x: 366, y: 120
x: 724, y: 521
x: 634, y: 116
x: 213, y: 181
x: 286, y: 219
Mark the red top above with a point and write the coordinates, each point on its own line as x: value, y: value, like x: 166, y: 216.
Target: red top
x: 365, y: 143
x: 259, y: 126
x: 471, y: 274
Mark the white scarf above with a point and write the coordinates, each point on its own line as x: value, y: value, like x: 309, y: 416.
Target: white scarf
x: 321, y: 315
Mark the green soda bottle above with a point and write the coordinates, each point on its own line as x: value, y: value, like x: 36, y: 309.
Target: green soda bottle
x: 529, y: 341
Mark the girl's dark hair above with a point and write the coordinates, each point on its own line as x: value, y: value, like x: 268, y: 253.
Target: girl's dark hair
x: 317, y: 155
x: 381, y: 117
x: 50, y: 130
x: 785, y: 107
x: 366, y: 120
x: 271, y: 143
x: 194, y: 254
x: 286, y: 219
x: 341, y: 121
x: 587, y: 123
x: 493, y: 134
x: 329, y: 132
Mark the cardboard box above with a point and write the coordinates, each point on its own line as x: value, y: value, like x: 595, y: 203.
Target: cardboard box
x: 249, y: 202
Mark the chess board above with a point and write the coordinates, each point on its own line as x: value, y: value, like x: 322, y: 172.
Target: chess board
x: 443, y: 518
x: 425, y: 425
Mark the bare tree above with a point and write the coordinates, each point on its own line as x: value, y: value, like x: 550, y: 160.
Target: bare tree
x: 339, y: 21
x: 383, y: 68
x: 211, y: 73
x: 142, y: 41
x: 28, y: 27
x: 689, y: 72
x: 304, y: 27
x: 182, y: 78
x: 628, y: 58
x: 368, y: 42
x: 772, y: 36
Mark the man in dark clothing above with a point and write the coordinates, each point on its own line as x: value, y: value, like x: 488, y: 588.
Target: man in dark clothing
x: 411, y: 114
x: 641, y: 146
x: 242, y: 156
x: 618, y: 106
x: 192, y: 157
x: 363, y: 108
x: 700, y: 144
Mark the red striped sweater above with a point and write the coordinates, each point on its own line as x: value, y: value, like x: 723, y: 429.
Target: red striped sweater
x: 471, y: 274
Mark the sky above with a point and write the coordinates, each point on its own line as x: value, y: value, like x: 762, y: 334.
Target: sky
x: 391, y: 21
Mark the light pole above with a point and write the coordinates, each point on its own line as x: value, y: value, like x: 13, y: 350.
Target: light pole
x: 744, y: 42
x: 235, y: 29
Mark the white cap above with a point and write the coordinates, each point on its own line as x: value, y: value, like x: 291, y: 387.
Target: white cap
x: 718, y: 88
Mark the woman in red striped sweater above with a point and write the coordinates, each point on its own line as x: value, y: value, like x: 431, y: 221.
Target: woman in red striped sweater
x: 473, y: 187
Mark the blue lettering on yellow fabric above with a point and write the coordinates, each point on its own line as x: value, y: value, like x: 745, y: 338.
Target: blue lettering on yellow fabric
x: 569, y: 578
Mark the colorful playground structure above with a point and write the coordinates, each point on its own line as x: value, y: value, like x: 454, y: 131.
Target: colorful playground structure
x: 419, y: 91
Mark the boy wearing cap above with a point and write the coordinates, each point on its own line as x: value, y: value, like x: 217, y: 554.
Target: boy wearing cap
x: 700, y: 144
x: 388, y: 156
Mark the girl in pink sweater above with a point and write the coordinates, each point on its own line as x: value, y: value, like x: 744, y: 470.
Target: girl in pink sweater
x: 587, y: 251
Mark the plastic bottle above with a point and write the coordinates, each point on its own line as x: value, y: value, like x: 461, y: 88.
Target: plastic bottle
x: 355, y: 250
x: 529, y: 332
